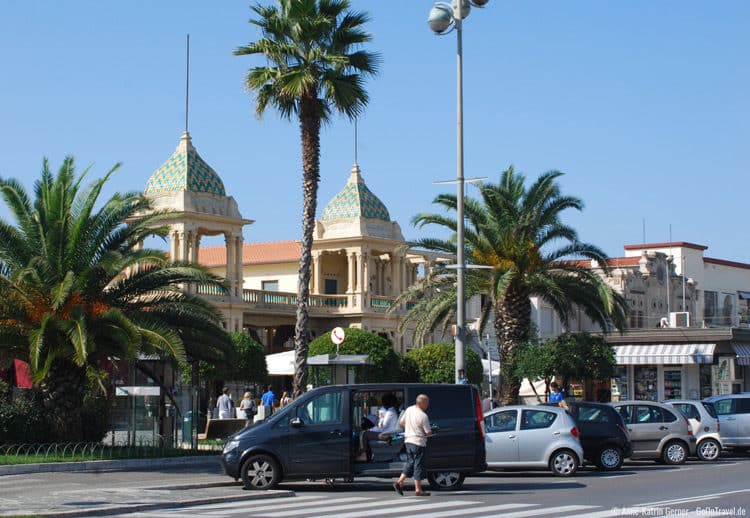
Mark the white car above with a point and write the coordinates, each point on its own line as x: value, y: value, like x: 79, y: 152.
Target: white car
x: 705, y: 424
x: 532, y: 437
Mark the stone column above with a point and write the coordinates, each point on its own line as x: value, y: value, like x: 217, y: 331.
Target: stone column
x: 230, y: 256
x: 350, y: 272
x: 174, y: 245
x: 239, y: 275
x: 395, y: 278
x: 402, y: 274
x: 319, y: 283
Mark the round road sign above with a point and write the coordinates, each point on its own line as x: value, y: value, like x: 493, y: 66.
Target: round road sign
x: 337, y: 335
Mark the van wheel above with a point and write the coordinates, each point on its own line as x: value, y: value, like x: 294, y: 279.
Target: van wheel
x: 446, y: 480
x: 564, y: 463
x: 708, y: 449
x: 261, y: 472
x: 674, y: 453
x: 610, y: 458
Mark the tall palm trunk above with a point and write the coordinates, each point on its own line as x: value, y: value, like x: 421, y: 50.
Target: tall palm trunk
x: 512, y: 321
x: 63, y: 390
x: 309, y: 121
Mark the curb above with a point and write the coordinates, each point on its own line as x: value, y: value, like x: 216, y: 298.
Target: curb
x: 110, y: 465
x: 124, y: 508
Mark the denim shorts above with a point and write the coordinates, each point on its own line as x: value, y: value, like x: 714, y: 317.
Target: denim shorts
x: 415, y: 457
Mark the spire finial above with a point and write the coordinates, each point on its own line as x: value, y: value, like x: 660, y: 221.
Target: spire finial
x: 187, y: 82
x: 355, y: 141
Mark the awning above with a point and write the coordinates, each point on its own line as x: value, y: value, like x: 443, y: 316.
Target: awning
x: 744, y: 295
x: 280, y: 364
x: 664, y: 354
x: 743, y: 353
x: 486, y: 368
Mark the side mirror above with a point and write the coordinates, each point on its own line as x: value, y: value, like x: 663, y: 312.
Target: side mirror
x: 296, y: 422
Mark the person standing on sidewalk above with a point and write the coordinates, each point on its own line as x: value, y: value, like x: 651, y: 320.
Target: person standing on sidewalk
x: 416, y: 431
x: 268, y: 400
x: 225, y: 404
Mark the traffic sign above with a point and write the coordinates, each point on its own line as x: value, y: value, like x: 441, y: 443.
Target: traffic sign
x: 337, y: 335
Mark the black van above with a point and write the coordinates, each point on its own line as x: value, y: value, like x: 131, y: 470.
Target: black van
x: 317, y: 437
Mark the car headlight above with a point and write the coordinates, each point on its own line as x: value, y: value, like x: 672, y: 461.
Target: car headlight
x: 231, y: 445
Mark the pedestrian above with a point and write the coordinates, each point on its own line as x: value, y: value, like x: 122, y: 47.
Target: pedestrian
x: 416, y: 431
x: 285, y: 399
x: 557, y: 396
x: 248, y: 407
x: 225, y: 404
x: 387, y: 423
x: 268, y: 399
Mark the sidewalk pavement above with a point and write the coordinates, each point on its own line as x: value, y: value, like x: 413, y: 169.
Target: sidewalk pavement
x: 101, y: 493
x: 111, y: 465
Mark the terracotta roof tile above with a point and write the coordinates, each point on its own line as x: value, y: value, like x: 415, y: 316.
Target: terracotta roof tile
x: 673, y: 244
x: 612, y: 262
x: 253, y: 253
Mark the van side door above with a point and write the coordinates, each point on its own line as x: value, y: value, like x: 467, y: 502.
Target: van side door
x: 456, y: 437
x: 320, y: 435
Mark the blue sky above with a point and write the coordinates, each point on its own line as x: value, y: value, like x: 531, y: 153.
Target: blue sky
x: 643, y: 105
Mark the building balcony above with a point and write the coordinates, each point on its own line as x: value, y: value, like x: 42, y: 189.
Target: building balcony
x: 286, y: 303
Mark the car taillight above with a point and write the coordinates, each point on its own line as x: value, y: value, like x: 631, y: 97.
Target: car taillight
x: 690, y: 428
x: 621, y: 427
x: 480, y: 416
x: 574, y: 432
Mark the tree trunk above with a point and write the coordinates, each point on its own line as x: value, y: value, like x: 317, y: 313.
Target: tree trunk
x: 309, y: 120
x: 512, y: 321
x: 62, y: 397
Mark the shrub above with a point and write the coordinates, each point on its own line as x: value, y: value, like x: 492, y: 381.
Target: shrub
x: 386, y: 366
x: 436, y: 363
x: 23, y: 420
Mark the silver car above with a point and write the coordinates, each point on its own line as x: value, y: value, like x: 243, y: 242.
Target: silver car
x: 532, y: 437
x: 734, y: 416
x: 657, y: 431
x: 705, y: 424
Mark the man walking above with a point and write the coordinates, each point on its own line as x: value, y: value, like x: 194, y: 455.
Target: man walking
x: 267, y: 400
x: 416, y: 431
x: 225, y: 405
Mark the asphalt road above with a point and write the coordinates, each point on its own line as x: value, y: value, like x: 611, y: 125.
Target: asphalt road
x: 640, y: 489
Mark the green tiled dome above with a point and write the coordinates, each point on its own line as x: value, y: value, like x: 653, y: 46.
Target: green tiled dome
x: 355, y: 201
x: 185, y: 170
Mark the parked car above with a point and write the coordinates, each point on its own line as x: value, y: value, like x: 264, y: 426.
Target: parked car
x: 317, y: 436
x: 657, y: 431
x: 705, y: 424
x: 532, y: 437
x: 603, y: 434
x: 733, y: 411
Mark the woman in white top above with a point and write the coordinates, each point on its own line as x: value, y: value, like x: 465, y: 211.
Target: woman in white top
x: 388, y: 422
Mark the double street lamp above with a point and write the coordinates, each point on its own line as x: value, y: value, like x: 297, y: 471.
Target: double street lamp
x: 444, y: 18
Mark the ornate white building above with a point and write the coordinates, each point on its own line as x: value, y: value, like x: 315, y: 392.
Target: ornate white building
x: 361, y: 262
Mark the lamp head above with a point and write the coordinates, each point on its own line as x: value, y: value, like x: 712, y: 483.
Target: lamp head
x: 480, y: 3
x: 465, y: 7
x: 440, y: 19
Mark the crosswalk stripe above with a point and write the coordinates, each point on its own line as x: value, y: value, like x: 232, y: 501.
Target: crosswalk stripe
x: 273, y: 504
x: 405, y: 507
x: 280, y: 508
x: 549, y: 510
x: 408, y: 505
x: 600, y: 514
x: 484, y: 509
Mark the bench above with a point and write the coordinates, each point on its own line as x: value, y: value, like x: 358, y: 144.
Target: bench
x: 221, y: 428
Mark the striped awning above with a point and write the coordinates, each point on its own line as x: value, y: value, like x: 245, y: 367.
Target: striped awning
x: 743, y: 353
x: 664, y: 354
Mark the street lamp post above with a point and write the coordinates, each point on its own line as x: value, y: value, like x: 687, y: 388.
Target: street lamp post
x: 443, y: 19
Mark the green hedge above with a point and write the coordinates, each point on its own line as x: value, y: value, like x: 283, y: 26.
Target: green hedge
x: 436, y: 363
x: 23, y: 421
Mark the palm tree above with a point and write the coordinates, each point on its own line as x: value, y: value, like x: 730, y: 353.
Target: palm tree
x: 77, y: 288
x: 314, y: 69
x: 517, y: 231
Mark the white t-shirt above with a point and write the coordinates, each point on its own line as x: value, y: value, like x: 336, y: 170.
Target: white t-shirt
x: 416, y: 426
x: 388, y: 423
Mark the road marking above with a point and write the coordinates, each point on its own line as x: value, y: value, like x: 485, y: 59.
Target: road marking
x: 407, y: 505
x: 712, y: 496
x: 599, y: 514
x: 314, y: 511
x: 274, y: 504
x: 565, y: 510
x: 488, y: 508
